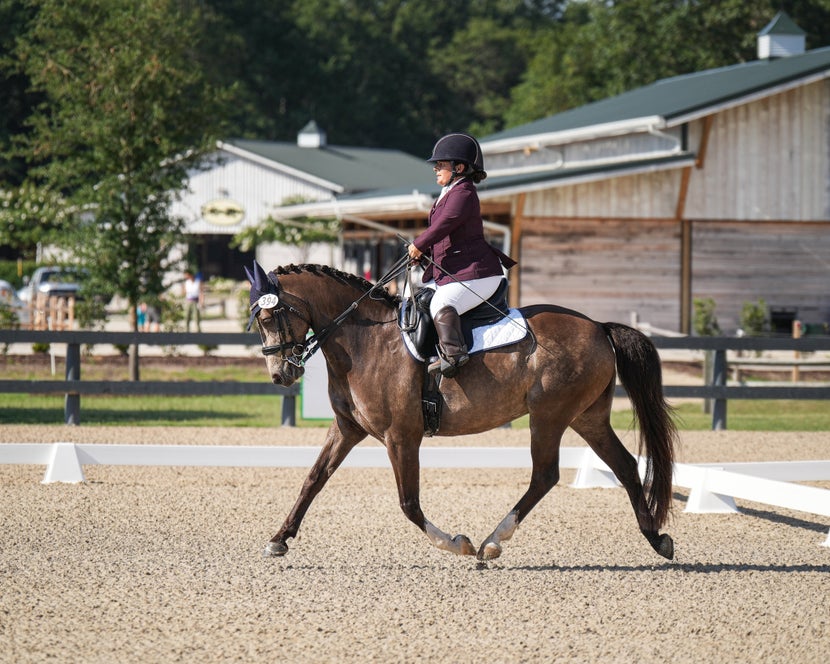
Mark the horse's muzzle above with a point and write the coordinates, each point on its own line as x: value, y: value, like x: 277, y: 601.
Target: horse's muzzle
x: 286, y: 373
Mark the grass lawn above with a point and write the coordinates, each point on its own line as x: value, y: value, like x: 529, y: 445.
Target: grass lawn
x: 265, y: 411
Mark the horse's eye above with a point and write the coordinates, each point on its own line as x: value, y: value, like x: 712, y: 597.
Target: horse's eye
x: 265, y: 317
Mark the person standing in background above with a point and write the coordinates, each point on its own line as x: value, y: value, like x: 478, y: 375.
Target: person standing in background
x: 194, y: 299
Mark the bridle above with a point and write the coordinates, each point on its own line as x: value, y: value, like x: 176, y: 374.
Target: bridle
x: 289, y: 349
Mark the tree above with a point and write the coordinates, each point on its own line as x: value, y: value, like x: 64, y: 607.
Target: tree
x: 126, y: 114
x: 31, y: 216
x: 15, y: 101
x: 598, y: 49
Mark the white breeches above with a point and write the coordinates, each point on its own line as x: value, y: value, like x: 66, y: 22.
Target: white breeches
x: 462, y: 295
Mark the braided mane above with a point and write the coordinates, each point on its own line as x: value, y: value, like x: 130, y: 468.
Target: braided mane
x: 380, y: 293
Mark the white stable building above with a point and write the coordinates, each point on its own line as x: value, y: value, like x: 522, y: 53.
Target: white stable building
x: 248, y: 181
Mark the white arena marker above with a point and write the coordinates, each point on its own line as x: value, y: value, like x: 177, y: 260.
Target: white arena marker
x: 64, y: 465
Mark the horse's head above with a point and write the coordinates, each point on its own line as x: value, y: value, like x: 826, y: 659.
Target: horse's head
x: 282, y: 325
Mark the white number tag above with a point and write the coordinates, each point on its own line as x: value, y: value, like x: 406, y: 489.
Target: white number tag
x: 268, y: 301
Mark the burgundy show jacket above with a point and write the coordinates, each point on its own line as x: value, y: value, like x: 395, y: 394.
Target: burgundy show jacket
x: 455, y: 239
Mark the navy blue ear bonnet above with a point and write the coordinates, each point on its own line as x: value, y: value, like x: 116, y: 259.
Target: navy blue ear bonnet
x: 264, y: 290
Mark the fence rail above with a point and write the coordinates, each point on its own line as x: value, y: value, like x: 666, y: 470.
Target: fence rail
x: 73, y: 387
x: 717, y: 389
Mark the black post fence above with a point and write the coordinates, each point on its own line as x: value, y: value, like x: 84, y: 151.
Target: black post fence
x: 73, y: 387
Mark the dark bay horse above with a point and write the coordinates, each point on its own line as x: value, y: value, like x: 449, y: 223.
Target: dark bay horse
x: 563, y: 375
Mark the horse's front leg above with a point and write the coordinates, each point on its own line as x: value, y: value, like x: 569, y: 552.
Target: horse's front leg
x: 340, y: 440
x: 407, y: 468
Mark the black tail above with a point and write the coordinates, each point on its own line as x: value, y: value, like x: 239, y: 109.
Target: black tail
x: 638, y: 366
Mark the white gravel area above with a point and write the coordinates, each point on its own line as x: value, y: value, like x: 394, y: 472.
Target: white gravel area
x: 164, y: 564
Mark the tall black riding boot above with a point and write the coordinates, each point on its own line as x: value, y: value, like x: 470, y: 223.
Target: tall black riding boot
x: 451, y: 346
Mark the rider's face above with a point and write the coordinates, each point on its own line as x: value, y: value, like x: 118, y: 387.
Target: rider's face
x: 443, y: 172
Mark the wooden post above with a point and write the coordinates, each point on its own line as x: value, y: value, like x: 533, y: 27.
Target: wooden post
x: 70, y: 313
x: 515, y: 280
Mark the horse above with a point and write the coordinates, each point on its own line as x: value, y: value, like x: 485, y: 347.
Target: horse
x: 563, y: 374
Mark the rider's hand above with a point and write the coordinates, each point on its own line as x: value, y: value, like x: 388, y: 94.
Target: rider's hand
x: 414, y: 253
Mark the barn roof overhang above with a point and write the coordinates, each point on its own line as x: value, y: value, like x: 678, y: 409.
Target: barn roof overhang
x: 395, y: 212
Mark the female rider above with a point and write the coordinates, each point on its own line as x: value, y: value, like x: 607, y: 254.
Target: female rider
x: 464, y: 269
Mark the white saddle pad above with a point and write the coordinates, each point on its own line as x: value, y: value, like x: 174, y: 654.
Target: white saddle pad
x: 506, y: 331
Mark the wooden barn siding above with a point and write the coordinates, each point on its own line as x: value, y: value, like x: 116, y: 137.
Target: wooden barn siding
x: 650, y: 196
x: 609, y: 268
x: 787, y: 264
x: 767, y: 160
x: 604, y: 268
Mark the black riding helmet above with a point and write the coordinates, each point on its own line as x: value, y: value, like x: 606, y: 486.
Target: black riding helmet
x: 459, y: 148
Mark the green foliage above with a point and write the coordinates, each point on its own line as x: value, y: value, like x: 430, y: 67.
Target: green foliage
x: 599, y: 49
x: 371, y: 72
x: 296, y: 232
x: 32, y: 215
x: 705, y: 321
x: 10, y: 272
x: 243, y: 308
x: 115, y: 137
x: 8, y: 321
x: 755, y: 318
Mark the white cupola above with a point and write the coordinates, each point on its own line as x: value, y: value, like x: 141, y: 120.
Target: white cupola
x: 311, y: 136
x: 780, y: 38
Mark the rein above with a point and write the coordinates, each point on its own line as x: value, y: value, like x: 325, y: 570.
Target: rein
x: 301, y: 352
x: 428, y: 260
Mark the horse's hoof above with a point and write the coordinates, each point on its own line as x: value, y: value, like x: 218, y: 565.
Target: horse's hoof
x: 489, y: 551
x: 464, y: 545
x: 275, y: 549
x: 665, y: 546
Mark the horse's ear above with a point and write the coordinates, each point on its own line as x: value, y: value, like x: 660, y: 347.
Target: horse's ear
x: 260, y: 282
x: 248, y: 275
x: 261, y: 278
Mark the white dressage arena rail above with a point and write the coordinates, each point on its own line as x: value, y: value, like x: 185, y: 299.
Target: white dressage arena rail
x: 713, y: 487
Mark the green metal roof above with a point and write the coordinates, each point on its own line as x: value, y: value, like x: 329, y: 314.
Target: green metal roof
x: 353, y: 169
x: 681, y: 95
x: 495, y: 185
x: 782, y: 24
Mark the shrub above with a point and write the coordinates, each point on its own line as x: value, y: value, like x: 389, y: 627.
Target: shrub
x: 755, y: 318
x: 8, y: 321
x: 705, y: 322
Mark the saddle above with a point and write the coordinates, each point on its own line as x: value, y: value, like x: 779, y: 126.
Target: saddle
x: 419, y: 328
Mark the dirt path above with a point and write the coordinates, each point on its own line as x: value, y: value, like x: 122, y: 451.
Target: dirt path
x: 164, y: 565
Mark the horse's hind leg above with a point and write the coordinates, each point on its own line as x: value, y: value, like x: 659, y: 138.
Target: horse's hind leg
x: 339, y: 442
x: 595, y: 427
x: 544, y: 452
